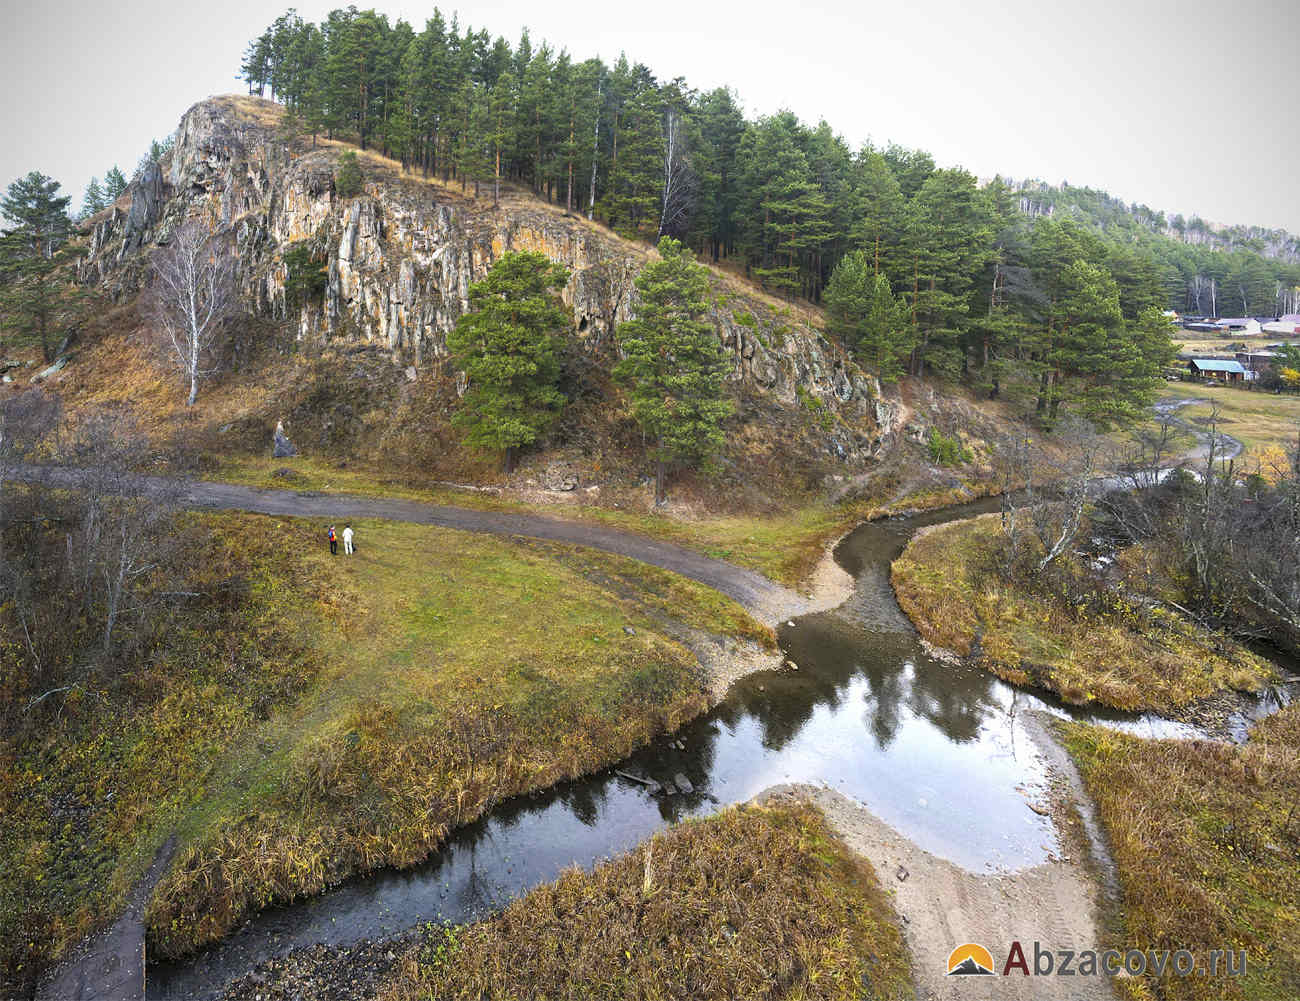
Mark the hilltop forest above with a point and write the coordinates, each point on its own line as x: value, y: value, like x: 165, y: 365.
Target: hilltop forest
x: 974, y: 285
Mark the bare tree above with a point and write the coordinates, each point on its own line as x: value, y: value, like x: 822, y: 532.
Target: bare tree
x: 1045, y: 494
x: 121, y: 531
x: 1147, y: 461
x: 679, y: 178
x: 1270, y: 563
x: 194, y: 295
x: 26, y: 421
x: 82, y: 552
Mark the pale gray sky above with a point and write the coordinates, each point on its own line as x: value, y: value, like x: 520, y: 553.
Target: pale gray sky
x: 1186, y: 105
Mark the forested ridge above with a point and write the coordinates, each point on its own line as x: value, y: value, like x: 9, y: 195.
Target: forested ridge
x: 1104, y: 211
x: 786, y: 201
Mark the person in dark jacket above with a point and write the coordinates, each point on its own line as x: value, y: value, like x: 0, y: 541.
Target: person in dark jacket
x: 334, y: 542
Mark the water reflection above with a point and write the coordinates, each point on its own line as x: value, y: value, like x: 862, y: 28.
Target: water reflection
x: 936, y: 751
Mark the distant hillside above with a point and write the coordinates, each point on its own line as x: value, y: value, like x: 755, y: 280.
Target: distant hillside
x: 1109, y: 214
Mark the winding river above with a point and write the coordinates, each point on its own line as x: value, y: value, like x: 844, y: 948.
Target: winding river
x: 938, y: 752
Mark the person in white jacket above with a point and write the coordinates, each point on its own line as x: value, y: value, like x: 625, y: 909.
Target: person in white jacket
x: 347, y: 540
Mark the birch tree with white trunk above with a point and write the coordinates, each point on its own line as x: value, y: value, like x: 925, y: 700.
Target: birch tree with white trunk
x: 194, y: 294
x: 595, y: 153
x: 679, y: 179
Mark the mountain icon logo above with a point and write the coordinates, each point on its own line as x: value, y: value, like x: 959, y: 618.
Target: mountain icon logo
x: 970, y: 960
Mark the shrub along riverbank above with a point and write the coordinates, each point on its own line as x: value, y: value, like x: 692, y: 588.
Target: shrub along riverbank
x: 1206, y: 837
x: 1118, y: 652
x: 757, y: 901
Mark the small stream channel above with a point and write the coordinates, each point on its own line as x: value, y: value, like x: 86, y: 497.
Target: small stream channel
x: 936, y: 751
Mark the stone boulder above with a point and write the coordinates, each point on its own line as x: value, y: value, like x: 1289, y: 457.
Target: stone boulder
x: 560, y: 476
x: 284, y: 448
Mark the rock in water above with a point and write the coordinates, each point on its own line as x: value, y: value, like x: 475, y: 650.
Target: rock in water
x: 683, y: 784
x: 283, y: 446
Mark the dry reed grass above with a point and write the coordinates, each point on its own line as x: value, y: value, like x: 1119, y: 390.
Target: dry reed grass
x: 949, y: 584
x: 754, y: 902
x: 1206, y: 837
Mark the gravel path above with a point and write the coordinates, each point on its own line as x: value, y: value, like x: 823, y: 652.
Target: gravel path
x: 110, y: 965
x: 766, y: 600
x: 1227, y: 447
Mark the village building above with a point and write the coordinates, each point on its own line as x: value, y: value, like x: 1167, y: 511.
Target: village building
x: 1288, y: 325
x: 1218, y: 369
x: 1240, y: 324
x: 1255, y: 362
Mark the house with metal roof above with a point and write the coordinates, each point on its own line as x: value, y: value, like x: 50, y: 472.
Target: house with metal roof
x: 1255, y: 362
x: 1218, y: 368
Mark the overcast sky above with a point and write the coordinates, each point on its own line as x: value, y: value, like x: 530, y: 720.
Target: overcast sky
x: 1184, y: 105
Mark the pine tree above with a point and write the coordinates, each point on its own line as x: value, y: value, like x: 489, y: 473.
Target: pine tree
x: 533, y: 133
x: 94, y: 200
x: 674, y: 363
x: 474, y: 159
x: 35, y: 296
x: 507, y: 346
x: 862, y: 311
x: 878, y: 211
x: 1107, y: 368
x: 37, y: 212
x: 948, y: 240
x: 721, y: 127
x: 256, y: 65
x: 347, y: 177
x: 114, y: 183
x: 785, y: 217
x: 501, y: 121
x: 632, y: 201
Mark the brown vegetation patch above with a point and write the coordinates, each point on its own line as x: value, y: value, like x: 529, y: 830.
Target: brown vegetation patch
x: 754, y: 902
x: 1123, y: 654
x: 1207, y: 840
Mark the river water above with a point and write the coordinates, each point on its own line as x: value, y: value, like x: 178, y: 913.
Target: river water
x: 936, y: 751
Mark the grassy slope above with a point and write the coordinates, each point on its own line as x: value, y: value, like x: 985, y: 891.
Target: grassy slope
x: 90, y: 794
x: 1259, y: 420
x: 754, y: 902
x: 785, y: 547
x: 1207, y: 840
x: 313, y: 716
x: 457, y: 670
x: 947, y: 583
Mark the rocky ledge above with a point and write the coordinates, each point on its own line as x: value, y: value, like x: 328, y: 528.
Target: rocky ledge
x: 399, y: 257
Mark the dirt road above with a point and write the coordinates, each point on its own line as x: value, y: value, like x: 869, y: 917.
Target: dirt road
x: 766, y: 600
x: 1225, y: 447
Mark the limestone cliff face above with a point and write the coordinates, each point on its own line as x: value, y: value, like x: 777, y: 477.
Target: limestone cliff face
x: 401, y: 255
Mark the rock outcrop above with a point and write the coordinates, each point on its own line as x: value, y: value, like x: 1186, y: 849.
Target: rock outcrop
x: 401, y: 255
x: 282, y: 447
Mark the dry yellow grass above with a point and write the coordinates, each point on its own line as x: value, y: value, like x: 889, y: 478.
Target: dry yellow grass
x: 1131, y: 658
x: 755, y: 902
x: 1260, y: 420
x: 456, y: 670
x: 1206, y: 837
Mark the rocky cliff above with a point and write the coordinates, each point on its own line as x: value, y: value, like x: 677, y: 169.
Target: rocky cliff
x: 401, y: 255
